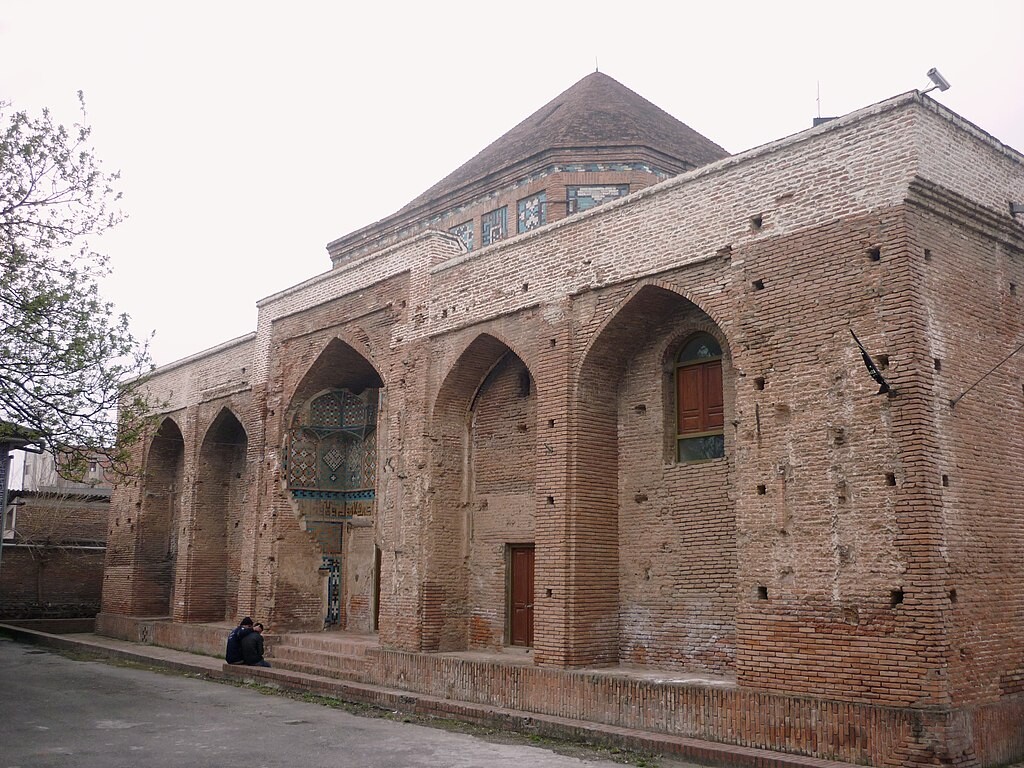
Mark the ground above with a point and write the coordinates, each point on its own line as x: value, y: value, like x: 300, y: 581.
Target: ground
x: 62, y: 711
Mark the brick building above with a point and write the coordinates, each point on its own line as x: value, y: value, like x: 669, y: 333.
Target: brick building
x: 596, y: 394
x: 54, y: 543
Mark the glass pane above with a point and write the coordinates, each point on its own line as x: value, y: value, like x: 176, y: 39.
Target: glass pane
x: 700, y: 347
x: 702, y: 448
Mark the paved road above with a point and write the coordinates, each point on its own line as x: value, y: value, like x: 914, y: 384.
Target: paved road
x: 86, y: 714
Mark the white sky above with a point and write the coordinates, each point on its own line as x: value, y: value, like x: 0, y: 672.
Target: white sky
x: 250, y: 134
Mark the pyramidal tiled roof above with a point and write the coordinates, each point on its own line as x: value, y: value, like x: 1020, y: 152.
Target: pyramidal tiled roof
x: 598, y: 111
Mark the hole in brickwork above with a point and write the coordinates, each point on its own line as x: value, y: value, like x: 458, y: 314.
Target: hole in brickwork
x: 895, y: 598
x: 927, y: 254
x: 838, y: 436
x: 874, y: 254
x: 548, y: 592
x: 762, y: 592
x: 758, y: 285
x: 641, y: 409
x: 756, y: 222
x: 762, y: 490
x: 552, y: 343
x: 271, y: 413
x: 640, y: 498
x: 759, y: 383
x: 402, y: 304
x: 937, y: 363
x: 551, y: 423
x: 444, y: 313
x: 890, y: 478
x: 551, y: 501
x: 952, y: 595
x: 1013, y: 289
x: 945, y: 481
x: 526, y: 287
x: 883, y: 361
x: 243, y: 369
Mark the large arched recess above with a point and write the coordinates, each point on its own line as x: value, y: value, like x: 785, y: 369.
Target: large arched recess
x: 654, y: 539
x: 216, y: 539
x: 482, y: 500
x: 327, y: 564
x: 158, y: 521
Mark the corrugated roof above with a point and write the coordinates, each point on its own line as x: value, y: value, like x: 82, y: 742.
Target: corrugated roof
x: 598, y: 111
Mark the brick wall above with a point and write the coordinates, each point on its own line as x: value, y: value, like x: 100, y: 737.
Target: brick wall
x: 814, y: 565
x: 50, y: 582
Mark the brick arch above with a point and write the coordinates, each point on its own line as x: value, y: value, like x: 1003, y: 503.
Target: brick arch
x: 625, y: 486
x: 345, y: 362
x: 482, y: 470
x: 209, y: 583
x: 159, y: 516
x: 332, y: 531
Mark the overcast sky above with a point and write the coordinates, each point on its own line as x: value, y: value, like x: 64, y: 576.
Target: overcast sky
x: 248, y: 135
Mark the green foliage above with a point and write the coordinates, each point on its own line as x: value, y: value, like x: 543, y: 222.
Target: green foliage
x: 70, y: 368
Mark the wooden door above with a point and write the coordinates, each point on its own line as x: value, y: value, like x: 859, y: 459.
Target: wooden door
x: 521, y: 594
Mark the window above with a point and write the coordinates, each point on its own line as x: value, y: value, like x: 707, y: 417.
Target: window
x: 700, y: 404
x: 493, y: 226
x: 531, y: 212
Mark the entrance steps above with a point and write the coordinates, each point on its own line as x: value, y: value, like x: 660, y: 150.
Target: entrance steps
x: 324, y: 654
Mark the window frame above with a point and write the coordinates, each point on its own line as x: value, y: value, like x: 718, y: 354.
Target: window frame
x: 705, y: 406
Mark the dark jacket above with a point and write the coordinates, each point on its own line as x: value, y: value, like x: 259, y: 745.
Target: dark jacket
x: 252, y: 648
x: 233, y: 653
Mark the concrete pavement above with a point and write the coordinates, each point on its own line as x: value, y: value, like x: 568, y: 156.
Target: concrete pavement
x: 65, y: 712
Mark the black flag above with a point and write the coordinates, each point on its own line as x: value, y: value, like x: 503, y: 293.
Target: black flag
x: 870, y: 365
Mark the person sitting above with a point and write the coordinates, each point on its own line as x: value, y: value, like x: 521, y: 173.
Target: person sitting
x: 252, y: 647
x: 233, y: 653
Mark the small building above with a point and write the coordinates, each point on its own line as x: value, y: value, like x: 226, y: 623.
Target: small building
x: 607, y: 394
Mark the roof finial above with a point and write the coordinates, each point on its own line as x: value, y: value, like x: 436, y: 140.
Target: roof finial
x: 596, y: 68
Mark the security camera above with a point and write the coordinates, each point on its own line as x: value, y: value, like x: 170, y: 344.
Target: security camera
x: 939, y: 81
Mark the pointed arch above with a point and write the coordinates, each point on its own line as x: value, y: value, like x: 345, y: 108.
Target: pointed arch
x: 211, y: 577
x: 159, y: 513
x: 483, y: 467
x: 624, y: 406
x: 330, y: 477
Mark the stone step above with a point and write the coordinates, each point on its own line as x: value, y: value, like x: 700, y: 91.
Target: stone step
x: 351, y: 673
x: 324, y: 659
x: 329, y: 642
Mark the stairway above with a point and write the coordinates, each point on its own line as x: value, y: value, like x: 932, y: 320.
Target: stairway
x: 337, y: 655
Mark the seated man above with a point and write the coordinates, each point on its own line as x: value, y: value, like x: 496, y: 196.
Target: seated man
x: 252, y: 647
x: 233, y: 653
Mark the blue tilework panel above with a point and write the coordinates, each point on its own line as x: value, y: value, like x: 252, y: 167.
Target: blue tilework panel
x: 493, y: 226
x: 532, y: 212
x: 583, y: 197
x: 465, y: 233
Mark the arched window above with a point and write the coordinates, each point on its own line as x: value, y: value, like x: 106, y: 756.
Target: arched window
x: 700, y: 412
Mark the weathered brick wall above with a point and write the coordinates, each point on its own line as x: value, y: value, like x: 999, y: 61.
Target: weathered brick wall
x: 50, y: 582
x: 815, y: 562
x: 978, y: 445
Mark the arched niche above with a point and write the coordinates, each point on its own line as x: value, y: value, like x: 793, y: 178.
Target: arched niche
x: 654, y: 532
x: 218, y: 536
x: 482, y: 498
x: 330, y: 478
x: 160, y: 513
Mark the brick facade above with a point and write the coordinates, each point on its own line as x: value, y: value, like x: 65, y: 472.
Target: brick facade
x: 846, y: 579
